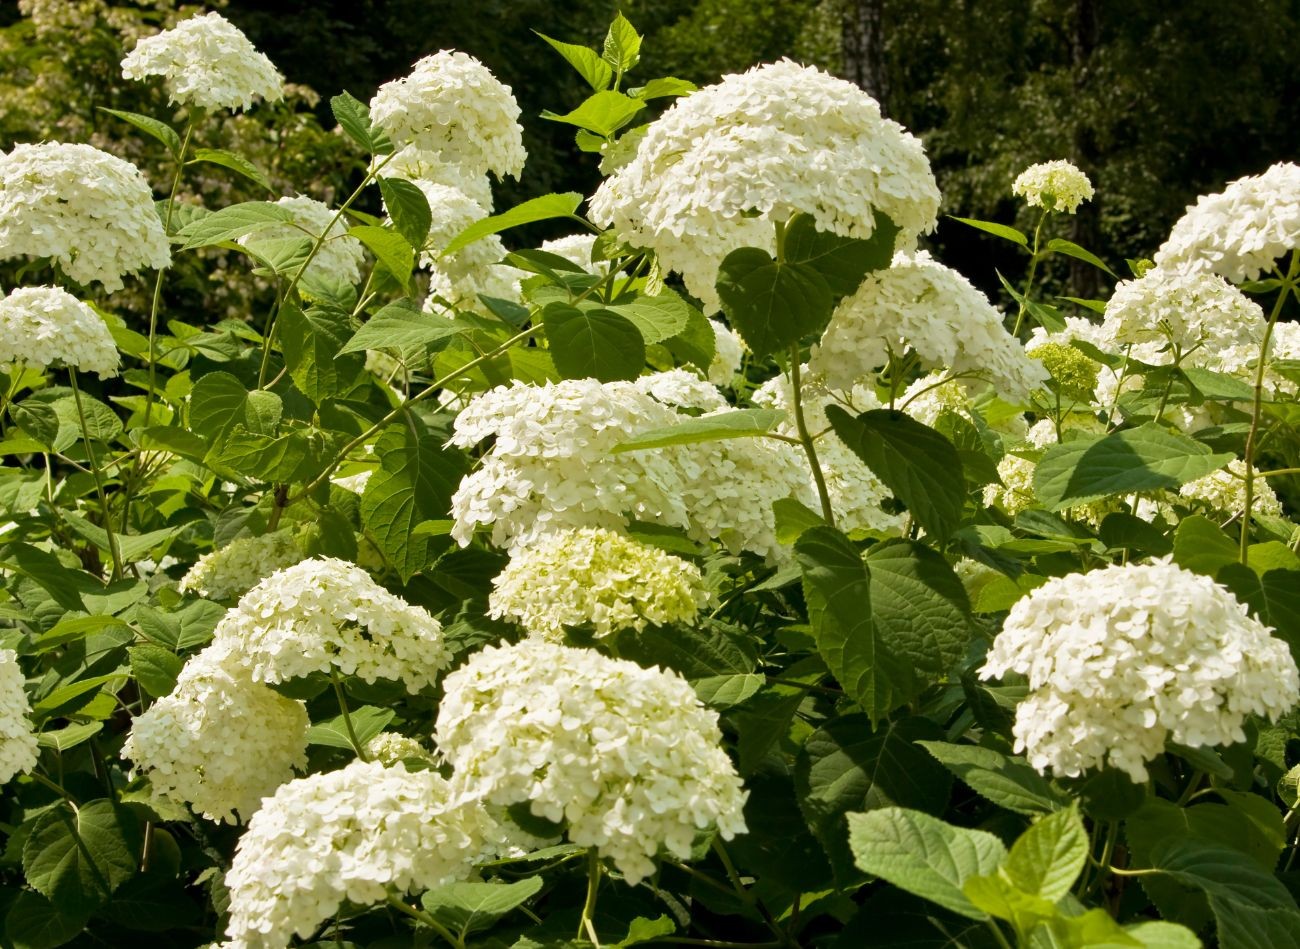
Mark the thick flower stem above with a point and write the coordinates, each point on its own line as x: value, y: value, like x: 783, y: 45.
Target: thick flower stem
x: 805, y: 439
x: 1257, y: 410
x: 585, y: 924
x: 424, y: 919
x: 347, y: 716
x: 1029, y: 278
x: 99, y: 481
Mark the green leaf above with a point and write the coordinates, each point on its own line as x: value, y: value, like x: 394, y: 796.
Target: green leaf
x: 1121, y: 530
x: 1245, y: 927
x: 390, y: 249
x: 1146, y: 458
x: 238, y: 220
x: 1047, y: 858
x: 1007, y: 782
x: 846, y: 765
x: 155, y: 668
x: 353, y: 117
x: 663, y: 87
x: 68, y: 698
x: 998, y: 896
x: 622, y: 45
x: 33, y: 922
x: 1049, y: 317
x: 738, y: 423
x: 725, y: 691
x: 838, y: 591
x: 368, y: 721
x: 77, y: 858
x: 919, y: 465
x: 1223, y: 874
x: 537, y: 209
x: 602, y: 113
x: 470, y: 907
x: 403, y: 326
x: 1218, y: 386
x: 696, y: 344
x: 150, y: 126
x: 659, y: 317
x: 923, y: 855
x: 998, y: 230
x: 586, y: 61
x: 919, y: 605
x: 596, y: 344
x: 312, y: 341
x: 299, y: 455
x: 793, y: 518
x: 1274, y: 597
x: 697, y: 652
x: 1071, y: 249
x: 233, y: 161
x: 772, y: 304
x: 1162, y: 935
x: 1202, y: 547
x: 63, y: 739
x: 218, y: 402
x: 414, y: 483
x: 643, y: 929
x: 842, y: 261
x: 409, y: 209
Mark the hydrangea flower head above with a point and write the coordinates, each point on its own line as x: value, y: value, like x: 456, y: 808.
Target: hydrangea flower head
x: 1053, y: 185
x: 721, y: 166
x: 326, y: 614
x: 207, y: 62
x: 920, y: 303
x: 1121, y: 660
x: 417, y: 165
x: 220, y: 742
x: 1241, y: 231
x: 596, y: 577
x: 352, y: 835
x: 47, y: 326
x: 452, y: 106
x: 233, y: 570
x: 728, y: 354
x: 89, y: 211
x: 1197, y: 311
x: 626, y: 757
x: 18, y: 748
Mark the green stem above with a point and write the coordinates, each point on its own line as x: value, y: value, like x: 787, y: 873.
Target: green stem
x: 805, y: 439
x: 747, y: 897
x: 585, y: 924
x: 424, y: 919
x: 1029, y: 278
x: 57, y: 789
x: 99, y: 482
x: 1277, y: 472
x: 1257, y: 410
x: 997, y: 933
x: 347, y: 717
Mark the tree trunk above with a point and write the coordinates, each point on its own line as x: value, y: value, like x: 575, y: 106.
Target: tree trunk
x: 862, y: 43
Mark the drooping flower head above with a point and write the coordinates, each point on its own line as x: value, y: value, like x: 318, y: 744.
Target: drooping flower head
x: 326, y: 614
x: 452, y: 106
x: 231, y: 571
x: 219, y: 742
x: 47, y: 326
x: 18, y: 748
x: 340, y: 255
x: 206, y: 61
x: 88, y: 210
x: 351, y: 835
x: 626, y: 757
x: 1123, y: 659
x: 1054, y: 185
x: 1241, y: 231
x: 722, y: 165
x: 934, y: 310
x: 595, y: 577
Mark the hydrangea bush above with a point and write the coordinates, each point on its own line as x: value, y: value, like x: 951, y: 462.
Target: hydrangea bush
x: 725, y: 571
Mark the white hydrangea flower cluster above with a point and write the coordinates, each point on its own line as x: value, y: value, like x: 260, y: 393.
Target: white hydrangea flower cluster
x: 1224, y: 492
x: 206, y: 61
x: 627, y: 757
x: 856, y: 493
x: 1123, y: 659
x: 220, y: 742
x: 1241, y: 231
x: 918, y: 302
x: 231, y: 571
x: 722, y: 165
x: 1053, y: 185
x: 452, y: 106
x: 551, y: 465
x: 597, y: 577
x: 1196, y: 311
x: 326, y: 614
x: 682, y: 389
x: 88, y: 210
x: 18, y: 748
x: 351, y: 835
x: 728, y: 354
x: 473, y: 269
x: 416, y: 165
x: 339, y: 255
x: 393, y: 748
x: 47, y: 326
x: 356, y: 483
